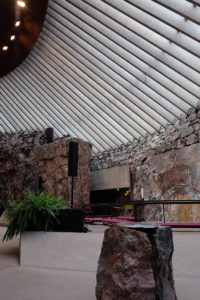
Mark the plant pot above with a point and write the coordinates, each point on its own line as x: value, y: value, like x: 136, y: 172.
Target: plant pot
x: 70, y: 220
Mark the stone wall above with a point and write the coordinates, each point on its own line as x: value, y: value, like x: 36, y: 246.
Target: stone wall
x: 163, y: 166
x: 28, y: 162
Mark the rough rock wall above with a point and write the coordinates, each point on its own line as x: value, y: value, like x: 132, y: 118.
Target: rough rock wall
x: 182, y: 133
x: 28, y: 162
x: 52, y: 161
x: 163, y: 166
x: 173, y: 175
x: 16, y: 172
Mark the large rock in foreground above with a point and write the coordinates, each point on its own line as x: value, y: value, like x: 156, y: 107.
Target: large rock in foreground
x: 136, y: 264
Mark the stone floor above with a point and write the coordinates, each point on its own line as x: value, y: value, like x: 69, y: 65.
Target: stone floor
x: 18, y: 283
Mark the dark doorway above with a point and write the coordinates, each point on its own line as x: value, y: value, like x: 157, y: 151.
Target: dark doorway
x: 114, y: 196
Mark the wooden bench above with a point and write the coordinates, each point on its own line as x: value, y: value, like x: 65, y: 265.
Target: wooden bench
x: 125, y: 218
x: 101, y: 216
x: 113, y: 221
x: 91, y: 220
x: 105, y: 220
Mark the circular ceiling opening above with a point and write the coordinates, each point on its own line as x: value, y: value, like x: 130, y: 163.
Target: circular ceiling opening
x: 20, y: 25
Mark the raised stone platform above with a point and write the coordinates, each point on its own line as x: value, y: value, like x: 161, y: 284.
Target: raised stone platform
x: 60, y: 250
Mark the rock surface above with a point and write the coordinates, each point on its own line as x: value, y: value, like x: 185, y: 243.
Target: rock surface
x: 27, y: 161
x: 163, y: 166
x: 181, y: 133
x: 136, y: 264
x: 173, y: 175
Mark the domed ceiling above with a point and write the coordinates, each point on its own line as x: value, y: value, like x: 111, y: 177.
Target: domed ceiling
x: 106, y: 71
x: 20, y: 25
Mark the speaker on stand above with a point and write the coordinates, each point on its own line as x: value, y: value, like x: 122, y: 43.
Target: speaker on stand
x: 73, y: 219
x: 72, y: 166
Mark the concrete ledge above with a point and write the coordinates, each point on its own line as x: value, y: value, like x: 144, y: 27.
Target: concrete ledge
x: 61, y: 250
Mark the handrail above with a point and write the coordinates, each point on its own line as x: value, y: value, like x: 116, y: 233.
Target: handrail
x: 145, y: 202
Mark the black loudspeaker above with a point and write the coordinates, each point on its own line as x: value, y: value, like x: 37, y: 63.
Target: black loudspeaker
x: 71, y: 220
x: 49, y: 135
x: 73, y: 159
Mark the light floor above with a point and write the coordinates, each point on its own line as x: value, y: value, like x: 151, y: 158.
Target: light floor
x: 18, y: 283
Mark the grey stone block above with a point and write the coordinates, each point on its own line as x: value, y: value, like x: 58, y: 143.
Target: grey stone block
x: 187, y: 131
x: 191, y: 111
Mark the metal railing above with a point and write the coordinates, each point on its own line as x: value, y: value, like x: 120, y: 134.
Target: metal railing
x: 144, y: 202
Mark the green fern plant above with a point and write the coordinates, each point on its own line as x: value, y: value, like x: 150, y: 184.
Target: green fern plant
x: 34, y: 212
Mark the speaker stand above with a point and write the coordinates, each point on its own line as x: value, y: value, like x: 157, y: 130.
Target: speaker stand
x: 72, y: 191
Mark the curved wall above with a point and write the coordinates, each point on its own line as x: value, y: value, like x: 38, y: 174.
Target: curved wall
x: 107, y: 71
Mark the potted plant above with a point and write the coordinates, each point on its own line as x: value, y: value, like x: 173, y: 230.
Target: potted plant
x: 33, y: 213
x: 46, y: 227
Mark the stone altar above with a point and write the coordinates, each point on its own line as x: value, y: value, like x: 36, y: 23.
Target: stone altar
x: 136, y: 263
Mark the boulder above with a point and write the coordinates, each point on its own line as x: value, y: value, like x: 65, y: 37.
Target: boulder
x: 136, y: 263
